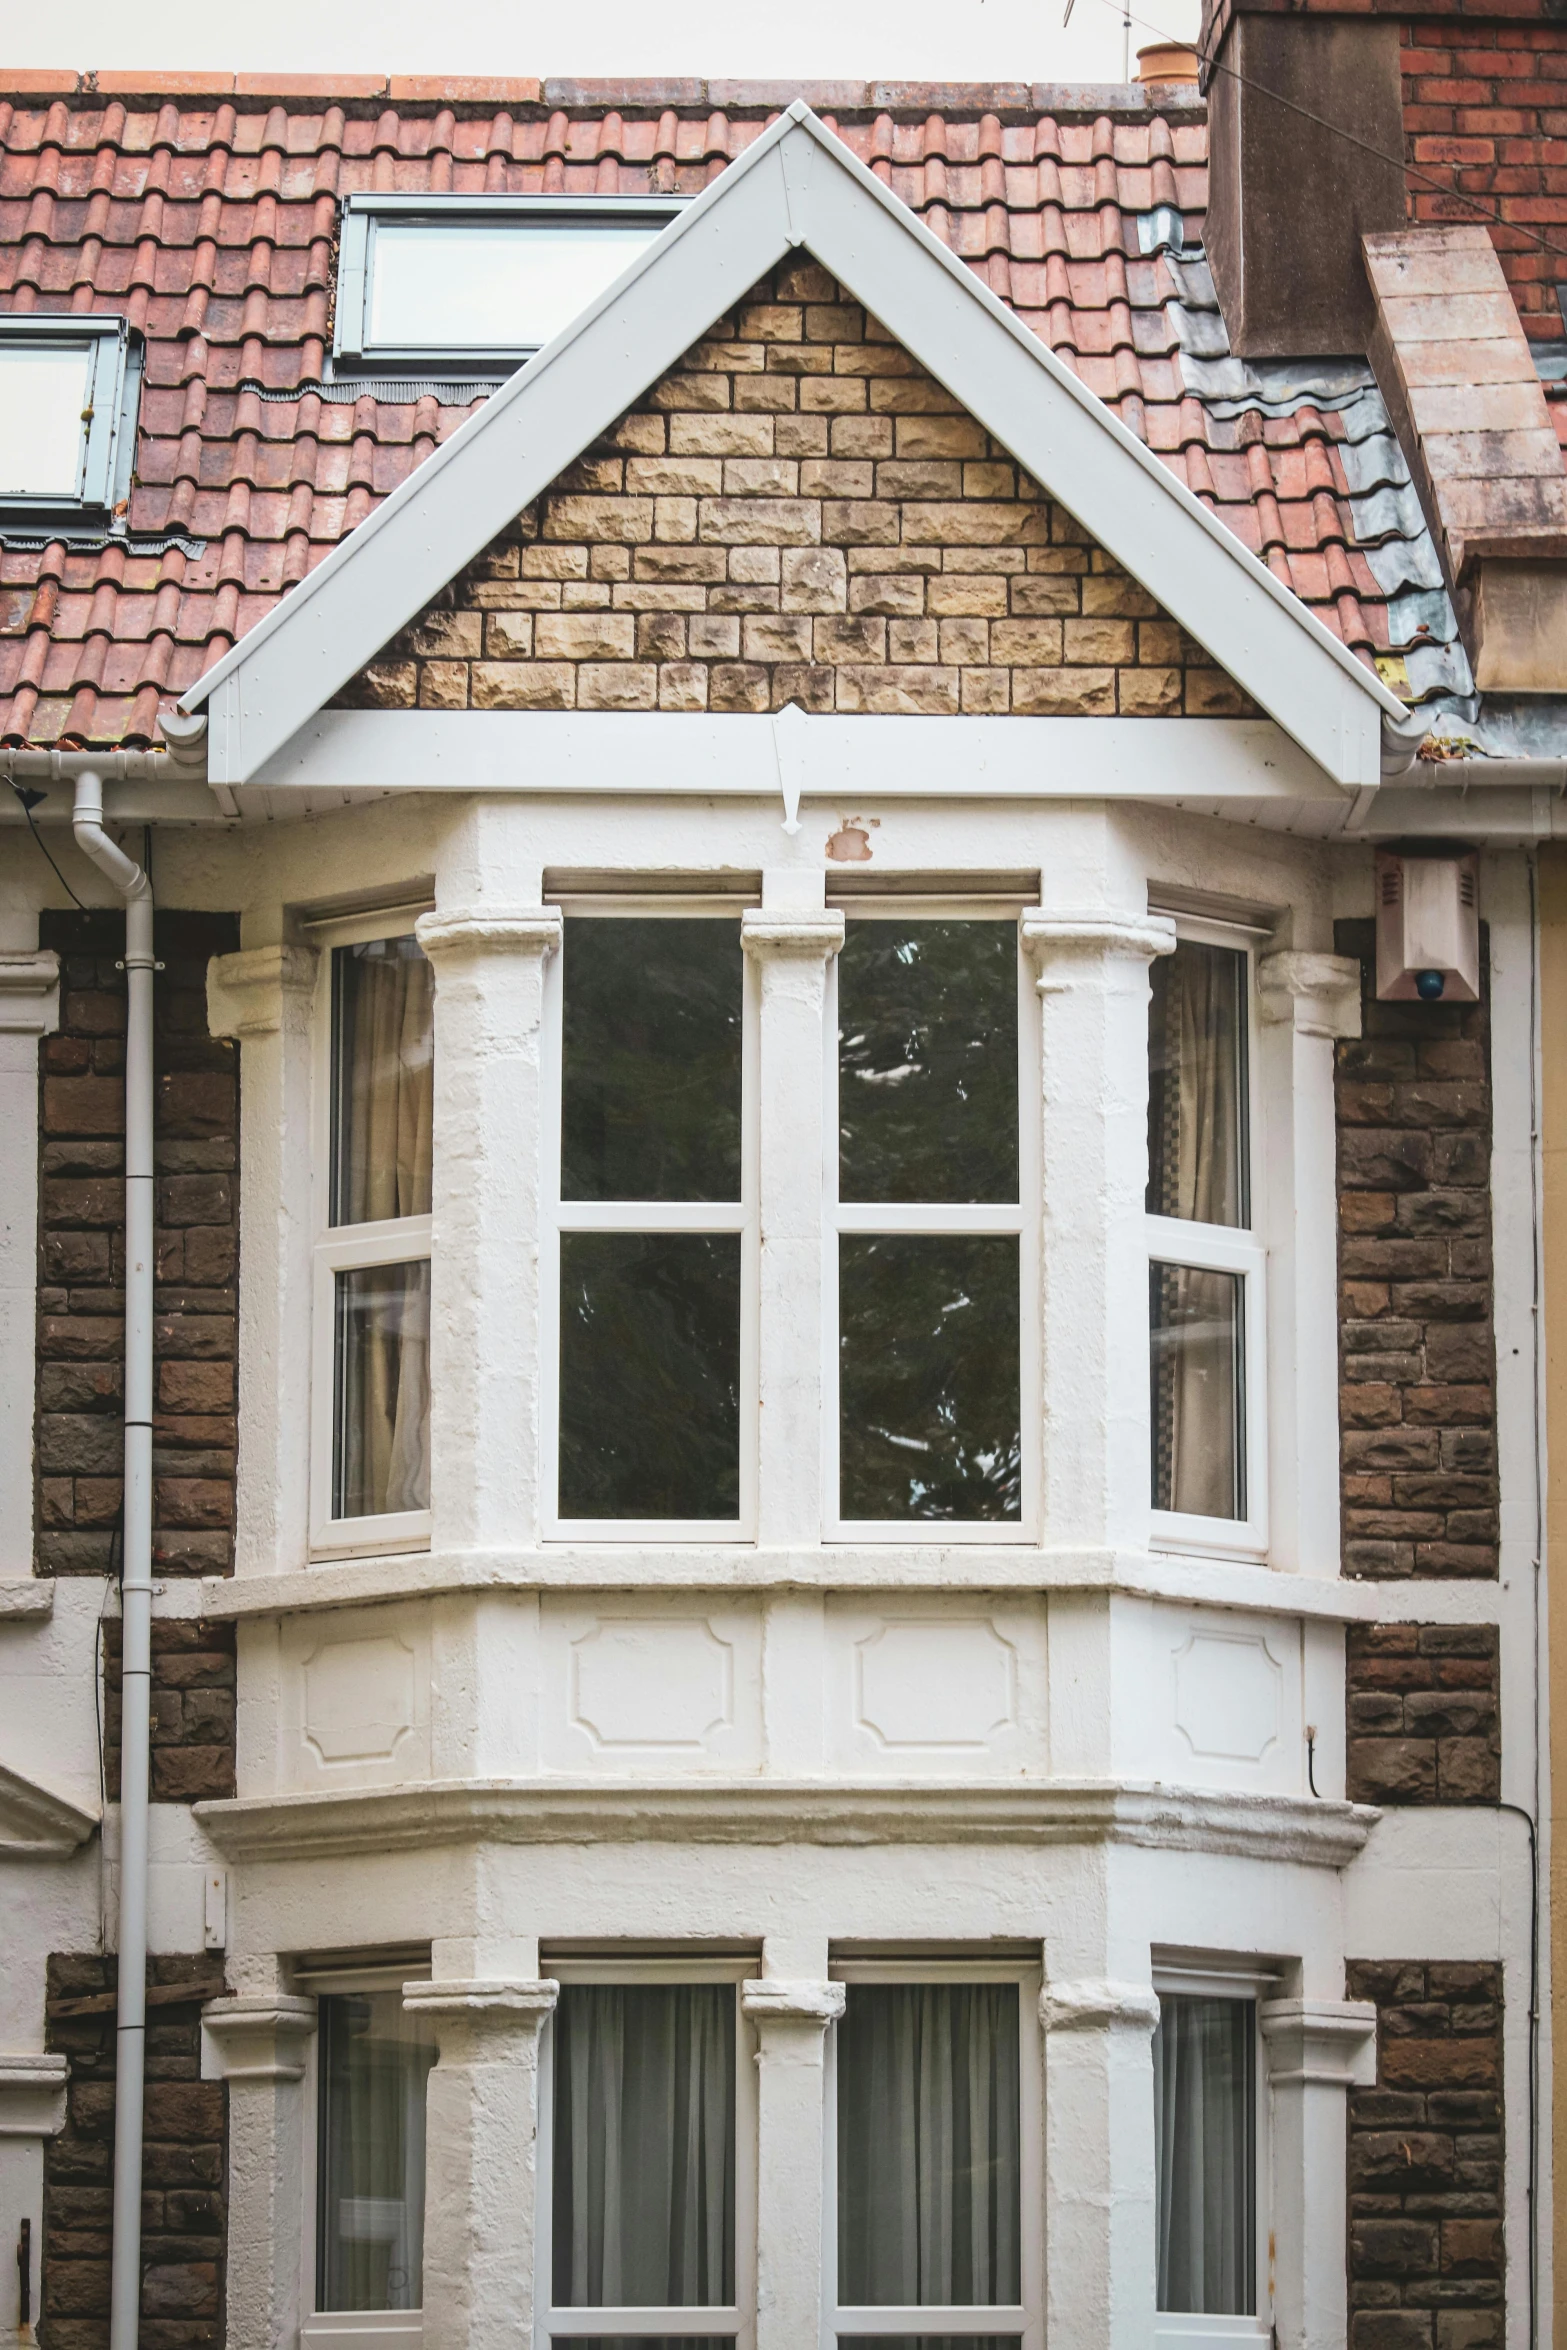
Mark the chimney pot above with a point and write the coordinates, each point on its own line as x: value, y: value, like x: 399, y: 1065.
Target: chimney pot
x: 1167, y: 63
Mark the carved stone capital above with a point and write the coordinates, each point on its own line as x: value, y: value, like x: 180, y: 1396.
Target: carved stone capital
x: 261, y: 990
x: 464, y: 931
x: 32, y: 2096
x: 1063, y: 944
x: 796, y: 934
x: 812, y: 2006
x: 491, y: 2008
x: 259, y: 2038
x: 29, y: 993
x: 1099, y: 2007
x: 1320, y: 2043
x: 1316, y: 995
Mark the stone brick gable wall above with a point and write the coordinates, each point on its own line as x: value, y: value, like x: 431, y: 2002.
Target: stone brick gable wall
x: 185, y: 2157
x: 1417, y: 1351
x: 1425, y: 2162
x: 81, y: 1304
x: 799, y: 513
x: 193, y: 1666
x: 1424, y: 1705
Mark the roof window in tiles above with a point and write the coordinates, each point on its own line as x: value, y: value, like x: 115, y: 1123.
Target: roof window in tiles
x: 482, y: 282
x: 68, y: 388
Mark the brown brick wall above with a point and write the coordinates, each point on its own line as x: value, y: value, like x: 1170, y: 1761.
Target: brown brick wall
x: 81, y: 1301
x: 192, y: 1709
x: 1425, y: 2162
x: 797, y: 514
x: 184, y: 2154
x: 1417, y: 1351
x: 1424, y: 1713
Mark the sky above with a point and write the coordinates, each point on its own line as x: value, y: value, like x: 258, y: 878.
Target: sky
x: 920, y: 40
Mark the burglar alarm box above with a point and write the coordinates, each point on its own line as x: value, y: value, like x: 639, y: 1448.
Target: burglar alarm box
x: 1428, y: 926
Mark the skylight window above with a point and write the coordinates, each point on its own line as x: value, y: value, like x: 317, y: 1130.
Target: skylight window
x: 483, y: 282
x: 67, y: 413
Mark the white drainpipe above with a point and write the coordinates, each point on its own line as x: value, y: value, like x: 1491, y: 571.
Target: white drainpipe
x: 136, y: 1588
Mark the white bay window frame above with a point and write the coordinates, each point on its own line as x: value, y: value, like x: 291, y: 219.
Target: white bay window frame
x: 1238, y: 1250
x: 1199, y: 2330
x: 562, y: 1217
x: 1022, y: 2321
x: 939, y: 1219
x: 735, y: 2322
x: 349, y: 1248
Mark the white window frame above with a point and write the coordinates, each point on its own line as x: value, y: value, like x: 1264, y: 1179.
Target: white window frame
x: 1227, y: 1248
x: 346, y: 1248
x: 362, y: 215
x: 741, y: 1216
x: 1024, y: 2320
x: 953, y: 1219
x: 737, y: 2322
x: 113, y: 393
x: 1197, y: 2330
x: 343, y: 2329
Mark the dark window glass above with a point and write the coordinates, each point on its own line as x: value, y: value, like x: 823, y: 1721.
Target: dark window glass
x: 1197, y: 1086
x: 1196, y: 1348
x: 1205, y: 2139
x: 927, y: 2342
x: 929, y: 2182
x: 928, y: 1376
x: 383, y: 1039
x: 649, y: 1375
x: 652, y: 1026
x: 644, y: 2152
x: 381, y: 1421
x: 927, y: 1061
x: 374, y: 2060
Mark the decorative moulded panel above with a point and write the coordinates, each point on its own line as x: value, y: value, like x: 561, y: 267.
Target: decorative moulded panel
x: 937, y: 1691
x: 1208, y: 1698
x: 649, y: 1690
x: 1228, y: 1696
x: 355, y: 1699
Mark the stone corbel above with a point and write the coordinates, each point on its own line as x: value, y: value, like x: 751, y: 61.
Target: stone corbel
x: 1099, y: 2007
x: 1316, y: 995
x: 489, y: 930
x: 261, y: 991
x: 32, y: 2096
x: 484, y: 2007
x: 1320, y: 2043
x: 30, y: 993
x: 804, y: 2007
x: 796, y: 933
x: 1060, y: 944
x: 258, y: 2038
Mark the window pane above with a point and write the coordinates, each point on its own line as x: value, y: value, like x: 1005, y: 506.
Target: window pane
x: 1196, y: 1342
x: 491, y: 286
x: 651, y: 1104
x: 929, y: 1411
x: 649, y: 1375
x: 383, y: 1024
x: 927, y: 1061
x: 381, y: 1436
x: 370, y: 2195
x: 929, y: 2194
x: 1197, y: 1086
x: 1205, y: 2120
x: 42, y: 433
x: 644, y: 2153
x: 928, y: 2341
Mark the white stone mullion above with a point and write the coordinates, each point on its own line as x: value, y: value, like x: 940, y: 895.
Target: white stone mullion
x: 792, y: 950
x: 791, y: 2021
x: 1094, y: 990
x: 1305, y: 1001
x: 265, y: 998
x: 1318, y: 2050
x: 486, y: 1371
x: 260, y: 2045
x: 1099, y: 2164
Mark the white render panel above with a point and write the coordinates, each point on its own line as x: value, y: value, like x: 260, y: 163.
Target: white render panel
x: 948, y: 1690
x: 1208, y: 1698
x: 355, y: 1695
x: 651, y: 1687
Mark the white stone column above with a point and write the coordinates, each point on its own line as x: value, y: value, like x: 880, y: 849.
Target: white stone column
x: 1093, y: 987
x: 792, y: 948
x: 1305, y: 1002
x: 259, y: 2045
x: 1099, y: 2164
x: 32, y: 2108
x: 489, y: 1146
x: 1318, y: 2050
x: 481, y: 2159
x: 29, y: 1009
x: 791, y: 2020
x: 265, y: 997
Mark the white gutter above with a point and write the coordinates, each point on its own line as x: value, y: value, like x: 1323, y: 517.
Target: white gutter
x: 136, y: 1583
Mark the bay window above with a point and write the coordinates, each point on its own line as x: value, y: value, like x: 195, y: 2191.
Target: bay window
x: 1205, y: 1271
x: 1206, y: 2166
x: 927, y: 1184
x: 371, y: 1461
x: 934, y: 2203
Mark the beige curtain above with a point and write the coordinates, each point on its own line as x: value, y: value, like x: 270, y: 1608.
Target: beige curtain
x: 383, y: 1369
